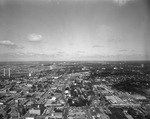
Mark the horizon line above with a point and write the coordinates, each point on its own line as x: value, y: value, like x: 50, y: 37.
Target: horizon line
x: 76, y: 61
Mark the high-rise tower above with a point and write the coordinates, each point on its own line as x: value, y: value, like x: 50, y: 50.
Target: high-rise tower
x: 9, y: 72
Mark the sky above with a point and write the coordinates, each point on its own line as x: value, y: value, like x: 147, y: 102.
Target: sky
x: 55, y: 30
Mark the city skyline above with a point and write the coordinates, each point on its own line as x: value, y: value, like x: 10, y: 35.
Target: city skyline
x: 49, y: 30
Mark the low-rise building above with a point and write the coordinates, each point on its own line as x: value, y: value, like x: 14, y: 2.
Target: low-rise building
x: 3, y: 91
x: 37, y: 109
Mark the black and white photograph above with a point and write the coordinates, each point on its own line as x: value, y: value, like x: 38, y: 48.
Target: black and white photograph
x: 74, y: 59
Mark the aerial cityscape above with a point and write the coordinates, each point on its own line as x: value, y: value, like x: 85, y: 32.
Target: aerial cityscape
x: 74, y: 59
x: 75, y: 90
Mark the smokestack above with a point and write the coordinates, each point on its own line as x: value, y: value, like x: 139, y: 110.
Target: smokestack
x: 4, y: 71
x: 9, y: 72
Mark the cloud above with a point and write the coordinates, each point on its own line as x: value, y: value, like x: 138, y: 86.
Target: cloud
x: 6, y: 43
x: 121, y: 2
x: 16, y: 47
x: 25, y: 56
x: 97, y: 46
x: 60, y: 53
x: 10, y: 44
x: 117, y: 57
x: 35, y: 37
x: 39, y: 55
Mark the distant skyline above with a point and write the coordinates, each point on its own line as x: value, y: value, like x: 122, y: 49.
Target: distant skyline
x: 55, y: 30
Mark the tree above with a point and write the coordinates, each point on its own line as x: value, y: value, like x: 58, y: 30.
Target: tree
x: 1, y: 116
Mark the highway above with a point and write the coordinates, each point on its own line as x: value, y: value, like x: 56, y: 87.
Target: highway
x: 66, y: 106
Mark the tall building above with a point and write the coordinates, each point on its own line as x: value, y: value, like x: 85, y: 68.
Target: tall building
x: 9, y: 72
x: 142, y: 65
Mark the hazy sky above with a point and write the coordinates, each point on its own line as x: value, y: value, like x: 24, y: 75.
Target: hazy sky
x: 74, y: 30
